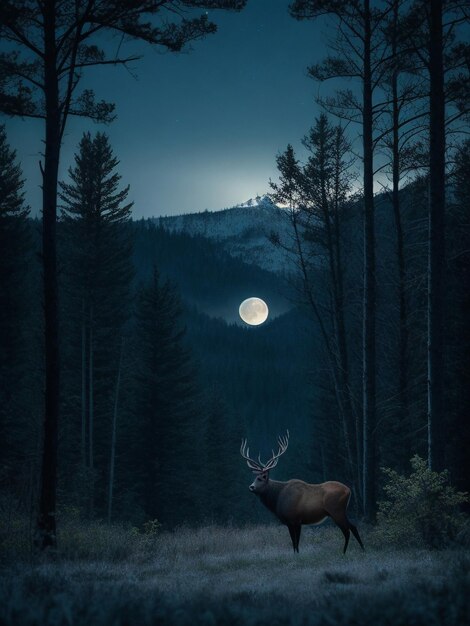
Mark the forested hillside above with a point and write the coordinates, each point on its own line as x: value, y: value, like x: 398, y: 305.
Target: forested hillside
x: 239, y: 380
x: 205, y: 273
x: 241, y: 230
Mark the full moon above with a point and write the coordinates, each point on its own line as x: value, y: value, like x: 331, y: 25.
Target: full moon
x: 254, y: 311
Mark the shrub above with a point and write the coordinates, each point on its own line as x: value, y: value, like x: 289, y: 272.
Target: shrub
x: 421, y: 509
x: 152, y: 527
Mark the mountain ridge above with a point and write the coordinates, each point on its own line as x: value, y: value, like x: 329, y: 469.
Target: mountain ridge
x: 206, y: 275
x: 243, y: 231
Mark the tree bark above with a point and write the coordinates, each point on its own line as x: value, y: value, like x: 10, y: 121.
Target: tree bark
x: 436, y: 435
x: 83, y: 398
x: 341, y: 322
x: 91, y: 425
x: 400, y: 247
x: 369, y: 350
x: 113, y: 438
x: 402, y: 308
x: 46, y: 525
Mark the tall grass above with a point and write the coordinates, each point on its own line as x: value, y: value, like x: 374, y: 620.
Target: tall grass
x: 224, y: 575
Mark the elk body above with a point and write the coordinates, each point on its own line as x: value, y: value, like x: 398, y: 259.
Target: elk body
x: 295, y: 502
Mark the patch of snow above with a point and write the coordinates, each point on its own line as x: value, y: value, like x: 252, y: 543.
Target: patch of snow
x: 243, y: 231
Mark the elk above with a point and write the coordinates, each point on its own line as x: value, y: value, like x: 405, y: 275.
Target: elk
x: 295, y: 502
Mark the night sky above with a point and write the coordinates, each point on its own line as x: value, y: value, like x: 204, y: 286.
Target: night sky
x: 199, y: 130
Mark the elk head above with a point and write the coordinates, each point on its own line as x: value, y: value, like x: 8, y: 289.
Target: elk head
x: 261, y: 469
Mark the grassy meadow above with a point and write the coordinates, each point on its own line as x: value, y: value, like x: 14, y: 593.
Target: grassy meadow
x: 223, y: 575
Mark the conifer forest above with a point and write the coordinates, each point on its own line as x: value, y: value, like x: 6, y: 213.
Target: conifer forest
x: 139, y: 407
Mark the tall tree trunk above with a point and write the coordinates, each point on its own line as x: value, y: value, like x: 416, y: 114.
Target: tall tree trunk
x: 400, y: 247
x: 91, y: 425
x: 341, y: 322
x: 369, y: 352
x: 343, y: 363
x: 340, y: 356
x: 83, y: 394
x: 46, y: 525
x: 113, y: 437
x: 400, y: 252
x: 436, y: 438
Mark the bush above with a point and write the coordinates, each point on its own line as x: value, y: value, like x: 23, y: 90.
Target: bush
x: 422, y: 509
x: 152, y: 527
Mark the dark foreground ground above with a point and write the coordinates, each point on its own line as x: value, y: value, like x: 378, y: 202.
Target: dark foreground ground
x: 234, y: 576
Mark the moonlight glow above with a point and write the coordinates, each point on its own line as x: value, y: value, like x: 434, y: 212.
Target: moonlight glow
x: 254, y: 311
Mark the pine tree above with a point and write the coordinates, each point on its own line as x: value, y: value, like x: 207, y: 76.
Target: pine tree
x: 98, y: 247
x: 222, y: 466
x: 169, y: 427
x: 316, y: 194
x: 14, y: 242
x: 327, y: 181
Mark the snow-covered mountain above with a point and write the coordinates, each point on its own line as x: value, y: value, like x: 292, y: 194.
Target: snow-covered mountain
x: 243, y: 231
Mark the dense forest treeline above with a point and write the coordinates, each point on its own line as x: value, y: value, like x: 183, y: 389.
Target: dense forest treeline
x: 48, y: 47
x: 328, y: 246
x: 153, y: 394
x: 157, y: 393
x: 398, y: 71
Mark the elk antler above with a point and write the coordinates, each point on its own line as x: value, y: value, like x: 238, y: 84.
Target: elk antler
x: 245, y: 452
x: 283, y: 442
x: 259, y: 466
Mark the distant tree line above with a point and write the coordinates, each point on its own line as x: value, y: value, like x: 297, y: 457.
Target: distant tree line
x: 156, y: 396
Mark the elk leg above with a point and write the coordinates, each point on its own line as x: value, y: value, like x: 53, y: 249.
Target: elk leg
x: 293, y: 535
x: 346, y: 533
x: 356, y: 535
x: 343, y: 524
x: 297, y: 536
